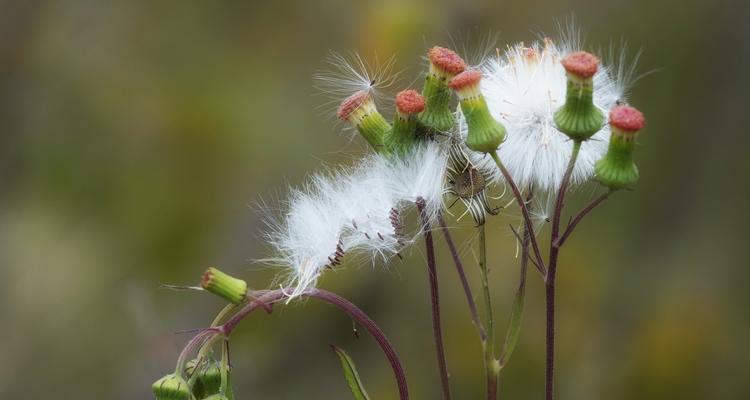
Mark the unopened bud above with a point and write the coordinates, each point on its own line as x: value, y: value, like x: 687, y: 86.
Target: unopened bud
x: 579, y: 118
x: 444, y: 65
x: 403, y: 136
x: 360, y: 111
x: 617, y: 169
x: 484, y: 132
x: 171, y: 387
x: 232, y: 289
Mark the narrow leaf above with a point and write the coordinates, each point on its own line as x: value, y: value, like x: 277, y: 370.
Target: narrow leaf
x: 351, y: 375
x: 516, y: 317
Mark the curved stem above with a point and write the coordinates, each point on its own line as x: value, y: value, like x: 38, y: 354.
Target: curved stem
x: 552, y: 273
x: 375, y: 331
x: 491, y: 365
x: 462, y: 277
x: 435, y: 301
x: 524, y: 211
x: 272, y: 296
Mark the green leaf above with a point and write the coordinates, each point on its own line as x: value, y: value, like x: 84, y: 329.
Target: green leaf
x: 516, y: 317
x: 351, y: 375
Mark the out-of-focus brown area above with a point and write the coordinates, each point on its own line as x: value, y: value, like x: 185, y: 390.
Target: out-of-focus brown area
x: 137, y: 135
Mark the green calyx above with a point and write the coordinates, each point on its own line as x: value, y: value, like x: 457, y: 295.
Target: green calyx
x: 617, y: 169
x: 230, y: 288
x: 374, y: 128
x: 403, y: 136
x: 579, y: 118
x: 207, y: 382
x: 437, y: 114
x: 171, y: 387
x: 485, y: 133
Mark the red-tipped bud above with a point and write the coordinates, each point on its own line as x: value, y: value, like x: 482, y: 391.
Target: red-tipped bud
x: 626, y: 118
x: 447, y: 60
x: 465, y: 80
x: 351, y: 104
x: 581, y: 64
x: 409, y: 102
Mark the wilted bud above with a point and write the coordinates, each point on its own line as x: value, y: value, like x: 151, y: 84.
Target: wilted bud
x: 617, y: 169
x: 223, y: 285
x: 402, y: 137
x: 484, y: 132
x: 171, y: 387
x: 360, y: 111
x: 444, y: 65
x: 578, y: 117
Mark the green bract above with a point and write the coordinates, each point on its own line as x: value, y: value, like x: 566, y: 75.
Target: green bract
x: 485, y: 134
x: 579, y: 118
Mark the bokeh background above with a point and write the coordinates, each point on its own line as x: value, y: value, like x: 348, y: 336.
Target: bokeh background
x: 137, y: 135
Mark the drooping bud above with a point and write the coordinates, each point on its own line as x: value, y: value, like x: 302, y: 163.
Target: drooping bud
x: 223, y: 285
x: 360, y: 111
x: 579, y: 118
x: 617, y: 169
x: 444, y: 65
x: 171, y: 387
x: 402, y: 137
x: 484, y: 132
x: 208, y: 379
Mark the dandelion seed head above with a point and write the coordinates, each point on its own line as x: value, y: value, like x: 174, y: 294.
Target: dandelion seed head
x: 523, y: 88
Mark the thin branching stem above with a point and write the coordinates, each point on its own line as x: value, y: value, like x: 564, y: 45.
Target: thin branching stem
x: 462, y: 277
x: 571, y: 226
x: 552, y: 272
x: 524, y: 211
x: 263, y: 299
x: 437, y: 329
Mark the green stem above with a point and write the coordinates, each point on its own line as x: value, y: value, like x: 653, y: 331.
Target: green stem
x: 491, y: 365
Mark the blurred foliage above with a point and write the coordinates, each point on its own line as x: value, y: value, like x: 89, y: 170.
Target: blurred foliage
x: 136, y: 135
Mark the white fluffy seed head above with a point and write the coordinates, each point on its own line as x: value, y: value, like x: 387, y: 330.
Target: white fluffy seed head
x: 523, y: 88
x: 354, y: 212
x: 419, y: 174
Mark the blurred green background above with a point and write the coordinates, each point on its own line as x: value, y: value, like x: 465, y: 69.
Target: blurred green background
x: 136, y: 135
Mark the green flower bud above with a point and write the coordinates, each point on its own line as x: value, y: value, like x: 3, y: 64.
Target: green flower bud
x: 223, y: 285
x: 171, y: 387
x: 444, y: 64
x: 579, y: 118
x: 485, y: 133
x: 403, y: 136
x: 198, y: 390
x: 359, y: 110
x: 208, y: 380
x: 617, y: 169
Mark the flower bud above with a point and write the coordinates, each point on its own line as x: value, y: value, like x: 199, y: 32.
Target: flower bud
x: 217, y: 397
x: 402, y: 137
x: 444, y: 65
x: 171, y: 387
x: 360, y: 111
x: 484, y: 132
x: 617, y: 169
x: 197, y: 388
x: 579, y: 118
x: 223, y: 285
